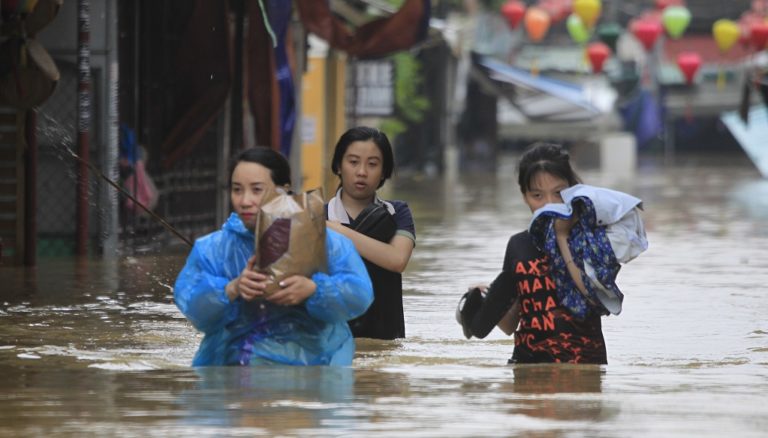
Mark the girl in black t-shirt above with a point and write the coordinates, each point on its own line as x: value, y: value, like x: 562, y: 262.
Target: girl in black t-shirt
x: 382, y: 231
x: 523, y: 299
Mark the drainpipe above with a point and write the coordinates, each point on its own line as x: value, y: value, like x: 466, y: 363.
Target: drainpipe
x: 83, y: 123
x: 30, y: 190
x: 109, y: 200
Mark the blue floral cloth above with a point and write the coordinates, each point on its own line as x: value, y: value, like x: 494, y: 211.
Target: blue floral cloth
x: 590, y: 247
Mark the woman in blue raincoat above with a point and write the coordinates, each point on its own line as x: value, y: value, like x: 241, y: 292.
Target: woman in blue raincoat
x: 304, y: 322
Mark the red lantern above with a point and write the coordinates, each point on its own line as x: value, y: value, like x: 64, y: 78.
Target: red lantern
x: 689, y: 63
x: 663, y: 4
x: 744, y: 40
x: 758, y: 35
x: 513, y: 11
x: 598, y: 53
x: 647, y: 31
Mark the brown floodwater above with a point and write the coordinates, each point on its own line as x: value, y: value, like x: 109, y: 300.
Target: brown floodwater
x: 97, y: 348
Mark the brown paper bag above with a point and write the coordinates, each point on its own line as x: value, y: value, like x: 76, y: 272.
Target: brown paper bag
x: 290, y: 236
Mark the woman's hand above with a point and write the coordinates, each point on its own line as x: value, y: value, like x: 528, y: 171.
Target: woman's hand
x: 249, y: 285
x: 293, y: 290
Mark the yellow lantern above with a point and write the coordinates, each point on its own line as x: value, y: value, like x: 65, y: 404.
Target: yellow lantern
x: 588, y: 11
x: 726, y: 33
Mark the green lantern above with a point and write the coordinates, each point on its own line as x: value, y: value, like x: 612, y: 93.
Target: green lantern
x: 609, y: 34
x: 576, y: 29
x: 676, y: 20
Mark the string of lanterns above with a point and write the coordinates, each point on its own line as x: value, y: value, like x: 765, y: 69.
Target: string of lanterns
x: 670, y: 17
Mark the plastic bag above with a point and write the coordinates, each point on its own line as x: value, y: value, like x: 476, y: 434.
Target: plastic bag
x: 146, y: 191
x: 290, y: 236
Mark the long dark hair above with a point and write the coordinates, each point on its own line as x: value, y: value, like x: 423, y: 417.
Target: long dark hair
x: 364, y: 133
x: 271, y: 159
x: 545, y: 157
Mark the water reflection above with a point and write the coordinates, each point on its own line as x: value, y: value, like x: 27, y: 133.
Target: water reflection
x: 279, y: 399
x: 111, y: 314
x: 752, y: 197
x: 551, y: 379
x: 70, y: 280
x: 574, y: 392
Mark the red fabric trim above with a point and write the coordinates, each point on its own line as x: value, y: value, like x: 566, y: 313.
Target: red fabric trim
x: 376, y: 38
x: 260, y: 81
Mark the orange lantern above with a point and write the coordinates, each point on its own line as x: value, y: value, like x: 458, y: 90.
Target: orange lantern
x: 537, y: 23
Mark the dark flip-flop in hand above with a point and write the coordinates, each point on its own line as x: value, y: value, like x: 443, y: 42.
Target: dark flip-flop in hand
x: 469, y: 305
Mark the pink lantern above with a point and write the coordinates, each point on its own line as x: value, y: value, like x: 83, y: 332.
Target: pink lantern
x: 597, y: 54
x: 647, y: 31
x: 558, y: 10
x: 760, y: 7
x: 689, y: 63
x: 513, y: 11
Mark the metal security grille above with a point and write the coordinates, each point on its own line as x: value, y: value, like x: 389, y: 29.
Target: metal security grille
x: 56, y: 169
x: 11, y: 185
x: 187, y: 200
x: 189, y: 194
x: 187, y: 191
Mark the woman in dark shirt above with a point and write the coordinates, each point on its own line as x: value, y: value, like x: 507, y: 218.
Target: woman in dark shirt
x: 523, y: 299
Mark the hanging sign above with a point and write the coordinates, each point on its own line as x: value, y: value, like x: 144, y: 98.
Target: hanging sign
x: 371, y: 88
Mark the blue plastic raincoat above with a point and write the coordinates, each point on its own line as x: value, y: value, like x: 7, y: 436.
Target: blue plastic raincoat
x: 259, y: 332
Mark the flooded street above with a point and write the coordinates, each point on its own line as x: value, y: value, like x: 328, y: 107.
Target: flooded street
x: 98, y: 348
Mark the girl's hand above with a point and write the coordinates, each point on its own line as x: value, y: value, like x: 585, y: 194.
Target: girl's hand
x: 334, y: 225
x: 249, y: 285
x: 563, y: 226
x: 511, y: 319
x: 483, y: 288
x: 293, y: 291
